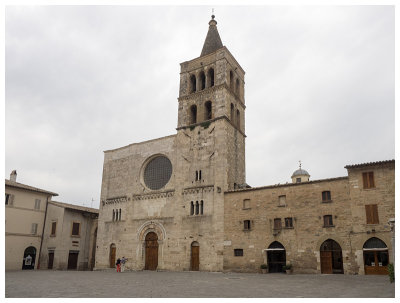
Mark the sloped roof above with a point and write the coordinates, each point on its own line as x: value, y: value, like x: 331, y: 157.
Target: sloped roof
x: 27, y: 187
x: 369, y: 164
x: 75, y: 207
x: 213, y: 40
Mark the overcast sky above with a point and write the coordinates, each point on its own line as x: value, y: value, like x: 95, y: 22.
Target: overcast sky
x: 319, y: 87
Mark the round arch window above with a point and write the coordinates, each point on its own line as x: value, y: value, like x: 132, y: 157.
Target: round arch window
x: 157, y: 172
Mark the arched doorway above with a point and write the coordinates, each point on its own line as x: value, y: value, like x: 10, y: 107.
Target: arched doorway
x: 331, y: 257
x: 29, y: 258
x: 151, y: 261
x: 276, y: 257
x: 376, y: 257
x: 195, y: 256
x: 113, y: 251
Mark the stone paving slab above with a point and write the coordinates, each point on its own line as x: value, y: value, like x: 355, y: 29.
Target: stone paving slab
x: 150, y: 284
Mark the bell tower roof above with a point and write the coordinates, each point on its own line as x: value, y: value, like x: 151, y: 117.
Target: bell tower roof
x: 213, y: 40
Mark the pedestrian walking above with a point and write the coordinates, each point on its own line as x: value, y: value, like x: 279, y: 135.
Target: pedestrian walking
x: 123, y: 261
x: 118, y: 265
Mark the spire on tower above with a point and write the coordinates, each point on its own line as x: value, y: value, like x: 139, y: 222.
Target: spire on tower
x: 213, y: 40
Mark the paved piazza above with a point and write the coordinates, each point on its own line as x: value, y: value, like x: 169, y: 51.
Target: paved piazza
x: 149, y: 284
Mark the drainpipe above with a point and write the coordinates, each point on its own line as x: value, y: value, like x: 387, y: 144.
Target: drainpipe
x: 41, y: 240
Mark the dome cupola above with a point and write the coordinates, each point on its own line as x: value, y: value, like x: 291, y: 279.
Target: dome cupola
x: 300, y: 175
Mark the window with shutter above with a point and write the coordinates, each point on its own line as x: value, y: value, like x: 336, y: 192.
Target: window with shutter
x: 34, y: 228
x: 75, y: 229
x: 277, y: 223
x: 7, y: 198
x: 282, y: 200
x: 371, y: 213
x: 368, y: 180
x: 328, y: 221
x: 247, y: 225
x: 37, y: 204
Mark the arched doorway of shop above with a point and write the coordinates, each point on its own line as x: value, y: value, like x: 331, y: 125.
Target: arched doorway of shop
x: 376, y: 257
x: 276, y: 257
x: 331, y: 257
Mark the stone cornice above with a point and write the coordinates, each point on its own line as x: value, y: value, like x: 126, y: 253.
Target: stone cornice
x: 156, y: 195
x: 198, y: 189
x: 114, y: 200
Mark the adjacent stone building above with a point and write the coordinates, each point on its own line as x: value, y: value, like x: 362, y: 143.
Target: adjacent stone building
x: 70, y: 234
x: 25, y: 211
x: 338, y: 225
x: 182, y: 203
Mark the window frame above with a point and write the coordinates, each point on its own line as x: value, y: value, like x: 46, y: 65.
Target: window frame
x: 330, y: 221
x: 283, y: 199
x: 55, y: 229
x: 326, y: 196
x: 277, y: 226
x: 37, y: 204
x: 238, y: 252
x: 246, y: 225
x: 72, y: 229
x: 34, y: 228
x: 289, y: 219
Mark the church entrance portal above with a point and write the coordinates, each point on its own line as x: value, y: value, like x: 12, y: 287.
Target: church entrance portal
x: 331, y: 257
x: 276, y: 257
x: 195, y: 257
x: 29, y: 258
x: 151, y: 261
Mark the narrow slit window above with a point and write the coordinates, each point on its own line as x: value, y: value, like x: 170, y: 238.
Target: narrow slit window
x: 191, y: 208
x: 197, y: 207
x: 201, y: 207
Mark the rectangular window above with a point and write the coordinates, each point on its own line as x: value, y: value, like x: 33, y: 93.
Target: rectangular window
x: 328, y: 221
x: 75, y: 229
x: 277, y: 223
x: 368, y: 179
x: 298, y: 180
x: 246, y: 203
x: 34, y: 228
x: 9, y: 199
x: 371, y: 212
x: 238, y: 252
x: 53, y: 228
x: 37, y: 204
x: 289, y: 222
x: 282, y: 200
x: 326, y: 196
x: 247, y: 225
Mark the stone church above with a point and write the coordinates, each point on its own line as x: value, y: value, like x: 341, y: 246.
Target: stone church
x: 181, y: 202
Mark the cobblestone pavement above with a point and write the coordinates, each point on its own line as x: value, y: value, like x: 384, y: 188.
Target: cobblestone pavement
x: 150, y: 284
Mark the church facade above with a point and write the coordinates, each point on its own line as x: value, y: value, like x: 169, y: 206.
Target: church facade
x: 179, y: 202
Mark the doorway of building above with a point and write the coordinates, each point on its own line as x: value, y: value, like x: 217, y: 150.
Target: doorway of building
x: 113, y: 251
x: 331, y: 257
x: 151, y: 261
x: 51, y: 260
x: 195, y: 257
x: 73, y: 259
x: 276, y: 257
x: 376, y: 257
x: 28, y: 261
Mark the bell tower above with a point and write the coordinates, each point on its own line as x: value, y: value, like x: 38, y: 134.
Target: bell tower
x: 211, y: 104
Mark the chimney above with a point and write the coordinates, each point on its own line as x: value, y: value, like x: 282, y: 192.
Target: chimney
x: 13, y: 176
